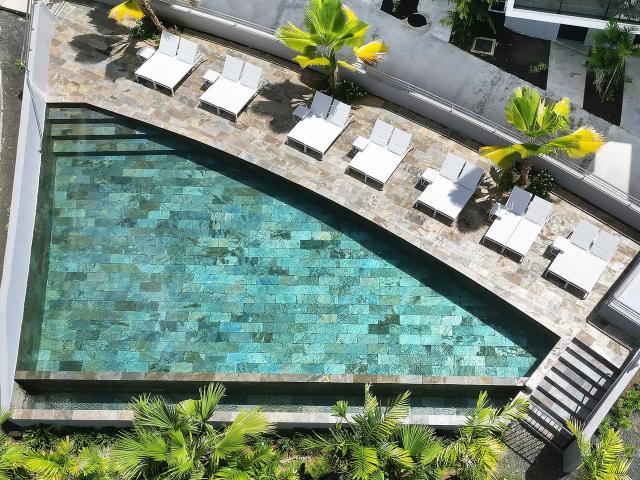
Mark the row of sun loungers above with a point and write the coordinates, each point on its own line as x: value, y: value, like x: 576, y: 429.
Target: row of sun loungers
x: 581, y: 258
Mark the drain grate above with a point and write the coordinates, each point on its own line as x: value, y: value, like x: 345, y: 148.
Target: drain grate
x: 484, y: 45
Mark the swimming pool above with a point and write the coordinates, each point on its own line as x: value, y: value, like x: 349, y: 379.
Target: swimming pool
x: 153, y: 256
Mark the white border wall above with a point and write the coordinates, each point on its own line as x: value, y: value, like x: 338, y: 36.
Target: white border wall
x: 24, y: 197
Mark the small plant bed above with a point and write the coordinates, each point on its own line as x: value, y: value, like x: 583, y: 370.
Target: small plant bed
x: 520, y: 55
x: 400, y: 9
x: 610, y: 110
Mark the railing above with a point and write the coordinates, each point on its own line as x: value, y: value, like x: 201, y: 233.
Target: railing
x: 509, y: 135
x: 580, y: 8
x: 24, y: 58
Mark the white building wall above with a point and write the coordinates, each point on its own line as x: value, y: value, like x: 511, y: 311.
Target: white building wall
x: 24, y: 199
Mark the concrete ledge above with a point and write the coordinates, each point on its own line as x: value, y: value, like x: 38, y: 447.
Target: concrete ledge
x: 123, y: 418
x: 42, y: 380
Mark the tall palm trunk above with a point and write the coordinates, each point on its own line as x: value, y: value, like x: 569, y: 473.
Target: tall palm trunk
x: 333, y: 73
x: 145, y: 6
x: 525, y: 170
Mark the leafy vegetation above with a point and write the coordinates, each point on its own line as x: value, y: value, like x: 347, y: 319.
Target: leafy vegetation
x: 349, y: 91
x: 608, y: 56
x: 330, y: 27
x: 178, y: 441
x: 539, y: 67
x: 143, y: 30
x: 466, y: 14
x: 607, y: 458
x: 542, y: 122
x: 619, y: 416
x: 542, y: 182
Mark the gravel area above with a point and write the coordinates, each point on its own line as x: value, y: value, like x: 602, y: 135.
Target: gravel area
x: 11, y: 28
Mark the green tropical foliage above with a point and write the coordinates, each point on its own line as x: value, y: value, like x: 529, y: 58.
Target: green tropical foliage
x: 619, y: 416
x: 541, y: 121
x: 468, y: 13
x: 479, y: 446
x: 607, y: 458
x: 11, y: 453
x: 178, y: 442
x: 330, y: 27
x: 373, y: 444
x: 608, y: 56
x: 65, y: 461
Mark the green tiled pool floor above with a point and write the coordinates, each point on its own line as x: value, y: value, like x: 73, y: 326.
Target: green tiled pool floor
x: 171, y: 260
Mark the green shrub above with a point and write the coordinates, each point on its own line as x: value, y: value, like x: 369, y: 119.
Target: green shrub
x: 317, y: 468
x: 619, y: 416
x: 542, y: 183
x: 538, y: 68
x: 348, y: 91
x: 143, y: 30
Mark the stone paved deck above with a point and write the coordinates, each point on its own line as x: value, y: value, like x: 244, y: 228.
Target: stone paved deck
x: 93, y: 63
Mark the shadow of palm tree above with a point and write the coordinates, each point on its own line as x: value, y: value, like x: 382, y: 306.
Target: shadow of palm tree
x: 277, y: 101
x: 116, y: 51
x: 108, y: 26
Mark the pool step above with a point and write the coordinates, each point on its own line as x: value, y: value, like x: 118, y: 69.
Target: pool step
x: 83, y: 114
x: 114, y: 146
x: 105, y: 129
x: 571, y: 390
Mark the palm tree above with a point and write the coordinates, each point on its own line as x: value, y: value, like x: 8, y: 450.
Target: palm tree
x: 425, y: 449
x: 608, y: 56
x: 607, y: 458
x: 11, y: 453
x: 479, y: 446
x: 178, y: 442
x: 532, y: 115
x: 64, y: 461
x: 330, y: 26
x: 363, y: 446
x: 136, y: 10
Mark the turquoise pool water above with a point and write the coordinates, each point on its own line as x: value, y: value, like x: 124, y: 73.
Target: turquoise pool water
x: 162, y: 258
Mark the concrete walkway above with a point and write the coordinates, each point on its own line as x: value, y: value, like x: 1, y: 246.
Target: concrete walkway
x: 631, y: 100
x: 567, y: 73
x: 424, y: 57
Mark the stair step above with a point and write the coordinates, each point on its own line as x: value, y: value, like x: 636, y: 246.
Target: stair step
x: 111, y: 146
x: 547, y: 426
x: 605, y: 363
x: 585, y: 356
x: 560, y: 413
x: 584, y: 370
x: 562, y: 374
x: 577, y: 393
x: 573, y: 407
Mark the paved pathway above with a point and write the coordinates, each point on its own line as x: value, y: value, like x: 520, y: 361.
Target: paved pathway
x: 91, y: 64
x: 631, y: 99
x: 567, y: 73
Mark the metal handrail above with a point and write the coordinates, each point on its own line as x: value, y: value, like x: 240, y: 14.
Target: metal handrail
x: 24, y: 57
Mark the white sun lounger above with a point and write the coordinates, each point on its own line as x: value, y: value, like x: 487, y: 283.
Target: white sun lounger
x: 449, y: 193
x: 322, y: 125
x: 583, y: 257
x: 593, y: 265
x: 378, y: 160
x: 232, y: 91
x: 529, y: 227
x: 173, y: 61
x: 507, y: 218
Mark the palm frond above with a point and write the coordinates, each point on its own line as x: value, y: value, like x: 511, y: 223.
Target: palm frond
x: 129, y: 10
